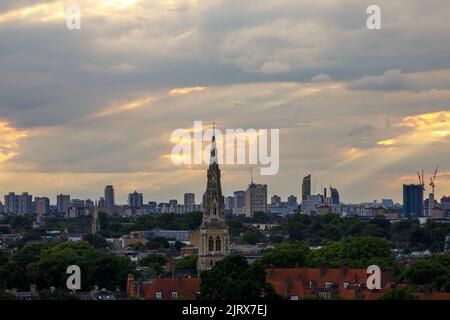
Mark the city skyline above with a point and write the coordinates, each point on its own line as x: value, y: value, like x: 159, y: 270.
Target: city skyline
x: 82, y: 109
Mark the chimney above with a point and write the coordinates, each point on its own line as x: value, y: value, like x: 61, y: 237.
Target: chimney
x: 131, y: 286
x: 323, y: 269
x: 287, y: 286
x: 344, y: 270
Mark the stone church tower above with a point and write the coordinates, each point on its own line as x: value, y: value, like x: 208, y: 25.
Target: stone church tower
x: 214, y: 237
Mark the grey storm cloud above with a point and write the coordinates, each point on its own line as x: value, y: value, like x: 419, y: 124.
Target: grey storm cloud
x: 310, y: 68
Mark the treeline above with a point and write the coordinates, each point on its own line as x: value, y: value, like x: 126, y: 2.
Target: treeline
x: 46, y: 265
x: 319, y: 230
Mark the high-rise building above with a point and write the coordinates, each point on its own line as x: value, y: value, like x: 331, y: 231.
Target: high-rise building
x: 334, y: 196
x: 275, y: 201
x: 412, y: 200
x: 42, y: 205
x: 306, y: 187
x: 255, y: 199
x: 11, y: 203
x: 214, y: 236
x: 189, y: 199
x: 89, y: 203
x: 135, y: 200
x: 173, y: 202
x: 239, y: 202
x: 77, y: 203
x: 229, y: 204
x: 25, y: 202
x: 387, y: 203
x: 109, y: 197
x: 292, y: 201
x: 311, y: 202
x: 62, y: 203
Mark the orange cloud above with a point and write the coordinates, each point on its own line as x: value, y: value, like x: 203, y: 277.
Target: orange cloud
x: 9, y: 138
x: 187, y: 90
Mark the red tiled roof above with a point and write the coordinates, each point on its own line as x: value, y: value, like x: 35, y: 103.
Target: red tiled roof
x: 290, y: 282
x: 186, y: 288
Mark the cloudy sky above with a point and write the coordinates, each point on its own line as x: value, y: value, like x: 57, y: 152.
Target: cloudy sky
x: 359, y: 109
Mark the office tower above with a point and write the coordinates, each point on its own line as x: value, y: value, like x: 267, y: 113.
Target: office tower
x: 152, y: 207
x: 311, y: 202
x: 42, y: 205
x: 255, y: 199
x: 109, y: 197
x: 62, y: 203
x: 239, y: 202
x: 11, y: 203
x: 135, y: 200
x: 189, y: 199
x: 334, y: 196
x: 387, y: 203
x: 25, y: 201
x: 275, y: 201
x: 77, y: 203
x: 292, y: 201
x: 173, y: 202
x: 412, y: 200
x: 306, y: 187
x: 101, y: 203
x: 214, y: 236
x: 229, y: 204
x: 89, y: 203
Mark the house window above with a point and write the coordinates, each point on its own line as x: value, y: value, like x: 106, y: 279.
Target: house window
x: 324, y: 294
x: 218, y: 244
x: 211, y: 244
x: 294, y: 298
x: 328, y: 284
x: 346, y: 285
x: 174, y: 295
x: 158, y: 295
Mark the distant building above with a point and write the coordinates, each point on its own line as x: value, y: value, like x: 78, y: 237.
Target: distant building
x: 334, y: 196
x: 25, y: 203
x: 239, y: 202
x: 292, y: 201
x: 62, y: 203
x: 173, y: 202
x: 109, y: 197
x: 255, y: 199
x: 275, y: 201
x: 101, y: 203
x: 387, y: 203
x: 229, y: 204
x: 42, y: 205
x: 189, y: 199
x: 152, y: 207
x: 311, y: 202
x: 135, y: 200
x: 412, y: 200
x: 77, y: 203
x: 306, y: 187
x: 89, y: 204
x: 11, y: 203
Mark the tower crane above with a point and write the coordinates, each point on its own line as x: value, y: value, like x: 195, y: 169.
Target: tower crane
x: 432, y: 179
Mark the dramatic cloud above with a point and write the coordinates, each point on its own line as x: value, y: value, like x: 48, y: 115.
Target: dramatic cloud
x: 359, y: 109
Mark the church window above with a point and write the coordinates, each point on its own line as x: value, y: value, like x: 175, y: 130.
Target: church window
x: 218, y: 244
x: 211, y: 244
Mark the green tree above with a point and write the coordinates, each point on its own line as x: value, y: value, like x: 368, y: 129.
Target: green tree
x: 253, y: 237
x: 232, y: 278
x: 96, y: 240
x: 286, y: 255
x: 399, y: 294
x: 188, y: 262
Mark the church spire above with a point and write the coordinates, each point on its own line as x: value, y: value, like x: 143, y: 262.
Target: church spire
x: 213, y: 158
